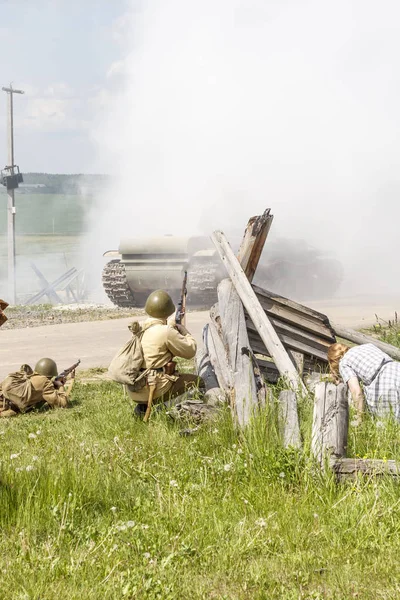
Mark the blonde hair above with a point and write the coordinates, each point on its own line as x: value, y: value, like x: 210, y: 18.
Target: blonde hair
x: 335, y: 354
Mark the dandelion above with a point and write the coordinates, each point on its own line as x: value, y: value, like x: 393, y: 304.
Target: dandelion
x: 261, y: 522
x: 215, y: 430
x: 147, y: 555
x: 173, y: 483
x: 130, y: 524
x: 113, y: 509
x: 32, y: 436
x: 240, y: 451
x: 282, y: 475
x: 29, y: 468
x: 234, y: 446
x: 35, y: 458
x: 316, y: 515
x: 13, y: 456
x: 228, y: 467
x: 245, y: 501
x: 145, y: 526
x: 39, y: 431
x: 19, y: 469
x: 122, y: 527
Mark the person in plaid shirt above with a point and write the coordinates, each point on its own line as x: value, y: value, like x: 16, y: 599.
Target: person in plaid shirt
x: 378, y: 373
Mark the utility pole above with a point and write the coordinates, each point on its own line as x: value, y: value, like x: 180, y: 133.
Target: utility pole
x: 10, y: 194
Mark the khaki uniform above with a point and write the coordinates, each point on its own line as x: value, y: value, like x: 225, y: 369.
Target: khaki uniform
x: 41, y: 389
x: 160, y: 343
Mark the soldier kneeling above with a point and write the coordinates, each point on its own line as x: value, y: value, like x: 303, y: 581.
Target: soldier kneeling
x: 26, y: 389
x: 161, y: 342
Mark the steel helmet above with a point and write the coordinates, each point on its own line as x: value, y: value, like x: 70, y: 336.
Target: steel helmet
x: 46, y: 367
x: 159, y: 305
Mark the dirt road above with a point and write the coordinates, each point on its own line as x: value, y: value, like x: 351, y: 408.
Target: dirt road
x: 96, y: 342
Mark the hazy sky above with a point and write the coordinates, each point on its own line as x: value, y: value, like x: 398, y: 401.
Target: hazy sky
x: 59, y: 52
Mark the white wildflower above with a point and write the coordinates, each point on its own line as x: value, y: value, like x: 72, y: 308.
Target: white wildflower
x: 39, y: 431
x: 245, y: 501
x: 282, y: 475
x: 147, y: 555
x: 122, y: 527
x: 32, y: 436
x: 173, y: 483
x: 2, y: 432
x: 113, y: 509
x: 234, y: 446
x: 245, y: 465
x: 18, y: 469
x: 35, y: 458
x: 228, y: 467
x: 240, y: 451
x: 12, y: 456
x: 29, y: 468
x: 130, y: 524
x: 261, y: 522
x: 145, y: 526
x: 316, y: 515
x: 215, y: 430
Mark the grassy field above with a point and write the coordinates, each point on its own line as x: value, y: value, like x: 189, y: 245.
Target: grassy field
x: 96, y: 504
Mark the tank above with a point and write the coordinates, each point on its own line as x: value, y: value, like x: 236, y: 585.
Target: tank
x: 139, y: 266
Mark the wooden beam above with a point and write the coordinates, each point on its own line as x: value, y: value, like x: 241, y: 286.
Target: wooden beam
x: 330, y: 421
x: 235, y: 339
x: 351, y: 468
x: 217, y: 351
x: 361, y: 338
x: 214, y: 394
x: 289, y: 419
x: 253, y: 242
x: 256, y: 313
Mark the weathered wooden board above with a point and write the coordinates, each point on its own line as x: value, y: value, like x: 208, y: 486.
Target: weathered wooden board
x: 256, y: 313
x: 350, y: 468
x: 330, y: 421
x: 289, y: 419
x: 361, y: 338
x: 253, y: 242
x: 235, y: 339
x: 217, y: 351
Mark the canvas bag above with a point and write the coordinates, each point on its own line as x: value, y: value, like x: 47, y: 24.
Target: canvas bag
x: 17, y: 388
x: 126, y: 364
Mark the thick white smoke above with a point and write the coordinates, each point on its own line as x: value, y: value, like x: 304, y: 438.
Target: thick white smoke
x: 220, y: 108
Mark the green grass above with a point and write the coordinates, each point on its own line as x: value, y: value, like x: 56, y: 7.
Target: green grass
x: 95, y: 504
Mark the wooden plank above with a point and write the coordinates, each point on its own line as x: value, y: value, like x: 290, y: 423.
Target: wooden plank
x: 253, y: 242
x: 291, y: 304
x: 297, y: 340
x: 283, y: 313
x: 361, y: 338
x: 351, y: 468
x: 256, y: 313
x: 214, y: 394
x: 330, y: 421
x: 234, y: 337
x: 259, y: 347
x: 289, y: 419
x: 298, y: 360
x: 217, y: 352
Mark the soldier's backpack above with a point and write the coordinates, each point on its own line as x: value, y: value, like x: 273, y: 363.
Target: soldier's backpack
x: 126, y: 365
x: 17, y: 387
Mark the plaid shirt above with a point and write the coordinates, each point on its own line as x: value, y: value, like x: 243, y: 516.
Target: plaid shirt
x: 379, y: 374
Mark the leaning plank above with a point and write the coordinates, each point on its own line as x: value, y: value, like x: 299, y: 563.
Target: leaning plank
x: 330, y: 421
x: 289, y: 419
x: 346, y: 468
x: 204, y: 368
x: 217, y: 352
x: 234, y: 336
x: 256, y: 313
x: 253, y: 242
x: 362, y: 338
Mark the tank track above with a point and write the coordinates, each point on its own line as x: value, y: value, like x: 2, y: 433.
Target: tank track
x: 116, y: 286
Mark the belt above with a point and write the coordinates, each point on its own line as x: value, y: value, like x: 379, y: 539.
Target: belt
x: 158, y: 370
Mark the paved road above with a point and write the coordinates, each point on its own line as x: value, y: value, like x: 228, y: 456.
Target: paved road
x: 95, y: 343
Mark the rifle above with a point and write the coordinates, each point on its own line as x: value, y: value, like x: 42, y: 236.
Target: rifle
x: 180, y: 315
x: 64, y: 374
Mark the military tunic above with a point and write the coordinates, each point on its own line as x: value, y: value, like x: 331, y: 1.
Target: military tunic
x: 160, y: 343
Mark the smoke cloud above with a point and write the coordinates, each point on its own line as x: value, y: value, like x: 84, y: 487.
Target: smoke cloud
x: 220, y: 108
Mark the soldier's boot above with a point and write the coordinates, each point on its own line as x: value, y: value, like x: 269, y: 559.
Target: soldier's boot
x: 140, y: 410
x: 8, y: 413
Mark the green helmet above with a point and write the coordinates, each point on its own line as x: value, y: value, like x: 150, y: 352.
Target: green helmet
x: 46, y: 367
x: 159, y: 305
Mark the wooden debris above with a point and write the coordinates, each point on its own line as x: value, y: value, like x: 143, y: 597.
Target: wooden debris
x: 330, y: 421
x: 361, y: 338
x: 253, y: 242
x: 235, y: 339
x: 351, y: 468
x: 260, y: 320
x: 289, y: 419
